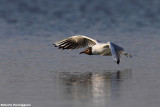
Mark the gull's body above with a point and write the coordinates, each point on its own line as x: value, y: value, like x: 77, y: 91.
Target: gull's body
x: 100, y: 49
x: 94, y: 47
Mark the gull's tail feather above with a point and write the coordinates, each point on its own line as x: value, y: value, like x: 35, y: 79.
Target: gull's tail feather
x: 127, y: 55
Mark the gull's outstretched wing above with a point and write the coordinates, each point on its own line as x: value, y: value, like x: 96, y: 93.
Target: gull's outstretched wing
x: 116, y: 51
x: 75, y: 42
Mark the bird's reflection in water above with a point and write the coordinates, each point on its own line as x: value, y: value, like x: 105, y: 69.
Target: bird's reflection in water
x: 94, y: 87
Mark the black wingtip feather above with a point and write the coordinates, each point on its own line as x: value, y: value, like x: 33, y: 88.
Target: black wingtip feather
x: 55, y: 45
x: 118, y: 62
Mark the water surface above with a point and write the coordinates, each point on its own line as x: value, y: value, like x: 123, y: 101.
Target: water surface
x: 33, y: 71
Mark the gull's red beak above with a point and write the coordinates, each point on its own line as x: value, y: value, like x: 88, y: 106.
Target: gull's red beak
x: 82, y: 52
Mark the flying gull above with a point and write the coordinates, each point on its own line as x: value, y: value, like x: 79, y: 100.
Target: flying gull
x: 94, y: 47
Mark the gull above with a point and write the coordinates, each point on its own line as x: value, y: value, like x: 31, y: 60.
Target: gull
x: 94, y: 47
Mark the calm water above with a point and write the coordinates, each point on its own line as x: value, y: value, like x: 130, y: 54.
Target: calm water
x: 33, y: 71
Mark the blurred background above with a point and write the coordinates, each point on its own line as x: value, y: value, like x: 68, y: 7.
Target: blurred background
x: 48, y: 17
x: 33, y: 71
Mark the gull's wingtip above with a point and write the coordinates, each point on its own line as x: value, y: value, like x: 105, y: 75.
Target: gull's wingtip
x: 55, y: 45
x: 117, y: 62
